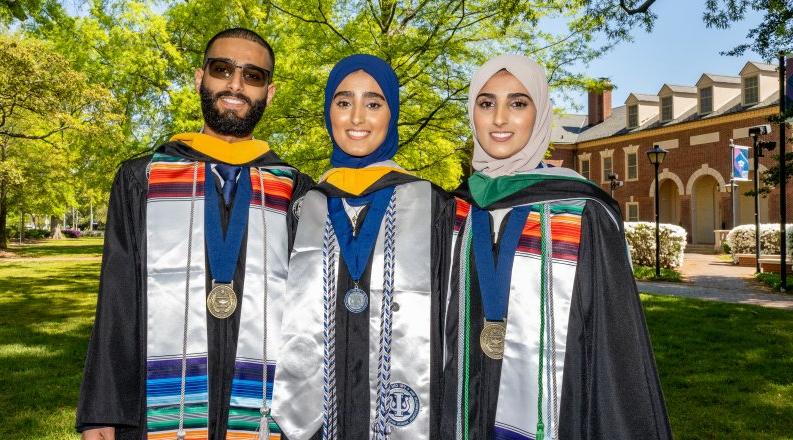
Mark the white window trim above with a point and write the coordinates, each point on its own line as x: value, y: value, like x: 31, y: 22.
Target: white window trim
x: 743, y: 90
x: 603, y: 155
x: 628, y: 210
x: 671, y: 108
x: 588, y: 158
x: 581, y: 168
x: 699, y: 100
x: 628, y: 116
x: 631, y: 149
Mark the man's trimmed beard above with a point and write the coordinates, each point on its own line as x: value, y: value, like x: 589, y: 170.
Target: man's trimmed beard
x: 227, y: 122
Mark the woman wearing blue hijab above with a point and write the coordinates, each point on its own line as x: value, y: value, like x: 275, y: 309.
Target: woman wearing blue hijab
x: 362, y: 352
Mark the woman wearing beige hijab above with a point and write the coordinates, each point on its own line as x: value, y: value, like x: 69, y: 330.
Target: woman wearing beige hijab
x: 546, y: 338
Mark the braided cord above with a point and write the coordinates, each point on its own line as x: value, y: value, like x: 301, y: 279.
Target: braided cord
x: 180, y: 433
x: 548, y: 235
x: 264, y: 425
x: 461, y: 328
x: 467, y: 339
x: 329, y: 401
x: 382, y: 430
x: 545, y: 250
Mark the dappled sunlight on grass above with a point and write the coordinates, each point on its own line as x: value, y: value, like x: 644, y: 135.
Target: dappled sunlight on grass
x: 19, y: 350
x: 60, y: 248
x: 46, y: 313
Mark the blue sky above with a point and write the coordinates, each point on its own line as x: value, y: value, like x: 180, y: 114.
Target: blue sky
x: 678, y: 50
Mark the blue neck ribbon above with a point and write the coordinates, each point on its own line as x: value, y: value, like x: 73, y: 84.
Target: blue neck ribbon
x: 356, y: 249
x: 495, y: 279
x: 224, y: 249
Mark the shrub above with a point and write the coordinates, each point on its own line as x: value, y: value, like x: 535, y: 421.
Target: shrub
x: 29, y: 234
x: 741, y: 239
x: 37, y: 234
x: 789, y: 231
x: 641, y: 241
x: 71, y: 233
x: 646, y: 273
x: 774, y: 280
x: 94, y: 233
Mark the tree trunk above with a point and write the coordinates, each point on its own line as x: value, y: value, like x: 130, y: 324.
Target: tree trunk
x: 3, y: 217
x: 3, y: 201
x: 55, y: 227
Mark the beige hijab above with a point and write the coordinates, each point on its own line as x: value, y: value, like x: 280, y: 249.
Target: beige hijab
x: 532, y: 76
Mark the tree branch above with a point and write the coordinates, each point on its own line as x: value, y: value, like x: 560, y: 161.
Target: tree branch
x: 324, y: 21
x: 641, y: 9
x: 426, y: 120
x: 11, y: 134
x: 437, y: 160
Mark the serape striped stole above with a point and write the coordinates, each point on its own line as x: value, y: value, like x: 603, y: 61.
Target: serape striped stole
x: 517, y: 409
x: 176, y: 289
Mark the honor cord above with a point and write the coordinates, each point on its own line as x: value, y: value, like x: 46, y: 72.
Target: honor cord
x: 329, y: 401
x: 264, y: 424
x: 467, y: 326
x: 545, y: 251
x: 461, y: 335
x: 382, y: 428
x: 180, y: 433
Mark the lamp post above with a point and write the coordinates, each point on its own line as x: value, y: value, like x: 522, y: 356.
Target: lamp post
x: 757, y: 152
x: 782, y: 177
x: 657, y: 156
x: 733, y: 187
x: 614, y: 182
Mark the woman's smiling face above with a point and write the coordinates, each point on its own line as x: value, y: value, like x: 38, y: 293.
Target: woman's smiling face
x: 504, y: 115
x: 359, y: 114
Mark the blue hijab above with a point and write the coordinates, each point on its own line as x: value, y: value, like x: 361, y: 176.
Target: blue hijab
x: 386, y: 78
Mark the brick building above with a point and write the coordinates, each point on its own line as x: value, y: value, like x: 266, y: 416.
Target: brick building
x: 695, y: 124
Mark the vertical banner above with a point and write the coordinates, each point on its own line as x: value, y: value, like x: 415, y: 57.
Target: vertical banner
x: 740, y: 162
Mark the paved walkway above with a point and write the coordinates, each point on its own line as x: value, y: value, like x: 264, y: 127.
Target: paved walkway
x: 708, y: 277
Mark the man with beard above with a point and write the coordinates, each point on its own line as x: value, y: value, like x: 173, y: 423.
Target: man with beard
x: 194, y: 269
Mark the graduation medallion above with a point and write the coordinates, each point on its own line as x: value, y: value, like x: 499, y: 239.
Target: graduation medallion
x: 355, y: 300
x: 495, y: 273
x: 222, y: 301
x: 492, y: 339
x: 223, y: 250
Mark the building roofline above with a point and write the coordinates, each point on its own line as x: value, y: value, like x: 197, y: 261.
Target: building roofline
x: 767, y: 110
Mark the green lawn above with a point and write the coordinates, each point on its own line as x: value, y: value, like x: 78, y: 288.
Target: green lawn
x: 47, y: 299
x: 647, y: 273
x: 727, y: 370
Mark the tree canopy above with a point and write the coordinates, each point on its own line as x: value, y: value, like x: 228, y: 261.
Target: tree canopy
x: 130, y: 64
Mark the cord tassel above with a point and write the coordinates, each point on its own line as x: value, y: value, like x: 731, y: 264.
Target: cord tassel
x: 264, y: 425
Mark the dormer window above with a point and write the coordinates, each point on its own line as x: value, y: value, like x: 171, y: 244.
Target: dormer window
x: 666, y: 109
x: 633, y: 116
x: 706, y: 100
x: 751, y: 90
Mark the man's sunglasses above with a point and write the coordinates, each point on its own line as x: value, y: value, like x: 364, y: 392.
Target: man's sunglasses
x: 223, y: 68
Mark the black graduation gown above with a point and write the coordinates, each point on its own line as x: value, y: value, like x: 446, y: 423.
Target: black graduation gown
x: 610, y: 387
x: 352, y: 329
x: 113, y: 392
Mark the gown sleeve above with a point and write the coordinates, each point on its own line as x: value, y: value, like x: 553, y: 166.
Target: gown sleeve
x: 451, y: 355
x: 113, y: 391
x: 441, y: 260
x: 611, y: 388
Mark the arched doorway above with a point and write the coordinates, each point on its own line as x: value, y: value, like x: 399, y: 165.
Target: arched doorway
x: 705, y: 209
x: 669, y: 202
